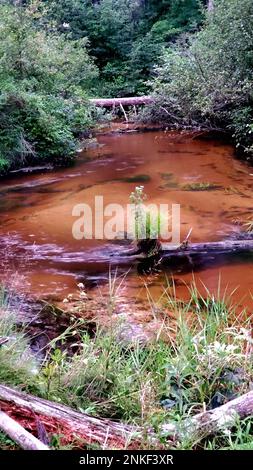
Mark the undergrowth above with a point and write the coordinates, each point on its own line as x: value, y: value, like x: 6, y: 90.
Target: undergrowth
x: 203, y: 360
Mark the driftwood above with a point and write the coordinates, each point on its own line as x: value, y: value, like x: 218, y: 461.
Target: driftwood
x: 62, y: 420
x: 113, y: 102
x: 190, y: 249
x: 3, y: 340
x: 19, y: 435
x: 211, y: 422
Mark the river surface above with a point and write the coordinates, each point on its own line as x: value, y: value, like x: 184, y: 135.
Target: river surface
x: 36, y: 214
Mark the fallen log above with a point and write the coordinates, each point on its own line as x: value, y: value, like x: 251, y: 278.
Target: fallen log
x: 191, y: 249
x: 211, y: 422
x: 19, y: 435
x: 114, y: 102
x: 210, y: 247
x: 75, y: 426
x: 226, y: 246
x: 62, y: 420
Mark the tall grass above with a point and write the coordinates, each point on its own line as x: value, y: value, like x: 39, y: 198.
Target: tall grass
x: 17, y: 364
x: 203, y: 360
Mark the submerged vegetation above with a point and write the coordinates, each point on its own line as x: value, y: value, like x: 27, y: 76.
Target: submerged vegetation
x: 200, y: 187
x: 17, y: 364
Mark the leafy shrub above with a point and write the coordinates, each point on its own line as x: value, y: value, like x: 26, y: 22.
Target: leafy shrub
x: 43, y: 78
x: 206, y: 79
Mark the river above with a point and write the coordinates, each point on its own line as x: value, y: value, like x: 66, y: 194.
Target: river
x: 37, y: 246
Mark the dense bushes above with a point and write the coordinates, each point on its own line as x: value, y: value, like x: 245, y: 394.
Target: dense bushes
x: 43, y: 78
x: 206, y: 80
x: 126, y: 37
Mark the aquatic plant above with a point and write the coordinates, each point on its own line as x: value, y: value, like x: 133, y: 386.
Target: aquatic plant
x: 200, y: 187
x: 147, y: 224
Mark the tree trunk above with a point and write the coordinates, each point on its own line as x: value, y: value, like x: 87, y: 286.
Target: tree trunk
x: 226, y: 246
x: 19, y: 435
x: 60, y: 419
x: 210, y: 5
x: 72, y: 425
x: 113, y: 102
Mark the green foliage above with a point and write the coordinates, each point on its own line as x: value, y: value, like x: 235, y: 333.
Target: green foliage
x: 202, y: 359
x: 6, y: 443
x: 17, y: 365
x: 147, y: 223
x: 206, y: 80
x: 201, y: 362
x: 43, y: 78
x: 126, y: 37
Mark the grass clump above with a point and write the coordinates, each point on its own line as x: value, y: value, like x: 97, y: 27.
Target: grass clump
x: 248, y: 224
x: 200, y: 187
x: 148, y: 223
x: 17, y: 364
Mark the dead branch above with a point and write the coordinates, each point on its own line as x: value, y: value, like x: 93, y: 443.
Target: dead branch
x: 208, y: 423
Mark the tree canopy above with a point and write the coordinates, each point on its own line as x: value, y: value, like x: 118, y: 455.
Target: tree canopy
x: 196, y: 56
x: 126, y: 37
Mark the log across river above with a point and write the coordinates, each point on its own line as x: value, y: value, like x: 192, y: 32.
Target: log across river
x: 114, y: 102
x: 191, y: 249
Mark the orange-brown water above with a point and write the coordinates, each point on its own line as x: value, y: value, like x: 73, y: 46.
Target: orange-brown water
x: 36, y: 213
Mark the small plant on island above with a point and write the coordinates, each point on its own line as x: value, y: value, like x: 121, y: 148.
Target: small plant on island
x: 147, y: 226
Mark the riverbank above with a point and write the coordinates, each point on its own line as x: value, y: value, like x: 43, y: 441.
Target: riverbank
x: 197, y: 362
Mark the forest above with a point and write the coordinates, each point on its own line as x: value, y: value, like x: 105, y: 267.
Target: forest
x: 56, y: 55
x: 127, y: 341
